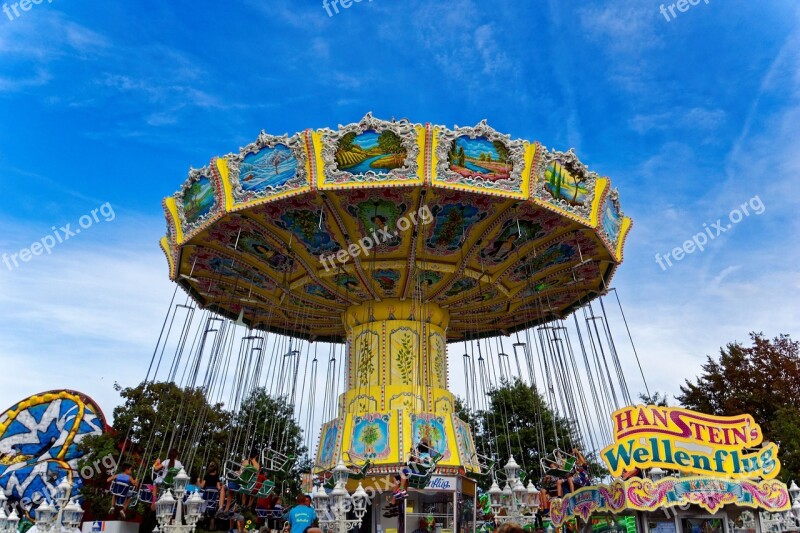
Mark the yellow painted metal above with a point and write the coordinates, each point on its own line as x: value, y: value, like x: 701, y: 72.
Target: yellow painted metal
x: 397, y: 379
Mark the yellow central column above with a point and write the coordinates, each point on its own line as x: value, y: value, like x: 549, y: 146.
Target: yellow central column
x: 396, y: 391
x: 397, y: 358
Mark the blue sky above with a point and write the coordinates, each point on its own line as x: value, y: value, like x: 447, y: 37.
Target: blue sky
x: 114, y: 101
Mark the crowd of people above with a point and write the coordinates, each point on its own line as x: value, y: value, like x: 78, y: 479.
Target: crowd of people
x: 226, y: 499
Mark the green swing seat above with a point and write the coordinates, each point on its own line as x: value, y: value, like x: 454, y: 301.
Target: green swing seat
x: 267, y: 486
x: 562, y: 470
x: 420, y: 480
x: 358, y: 475
x: 274, y: 461
x: 421, y: 474
x: 246, y: 479
x: 169, y: 478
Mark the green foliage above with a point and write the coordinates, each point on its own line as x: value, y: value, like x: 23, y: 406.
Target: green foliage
x: 168, y: 416
x: 390, y: 143
x: 502, y: 151
x: 762, y: 380
x: 405, y: 359
x: 271, y: 424
x: 516, y: 416
x: 657, y: 398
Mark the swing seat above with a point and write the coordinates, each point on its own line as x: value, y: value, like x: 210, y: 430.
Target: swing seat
x: 169, y: 479
x: 419, y: 474
x: 263, y: 513
x: 245, y: 477
x: 266, y: 488
x: 146, y: 494
x: 419, y: 481
x: 485, y: 464
x: 121, y: 491
x: 360, y: 472
x: 211, y: 499
x: 559, y: 464
x: 274, y: 461
x: 359, y: 475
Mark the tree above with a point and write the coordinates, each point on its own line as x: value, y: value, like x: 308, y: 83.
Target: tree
x: 346, y: 142
x: 580, y: 179
x: 390, y: 143
x: 762, y: 380
x: 657, y: 398
x: 265, y: 422
x: 276, y: 158
x: 502, y: 151
x: 153, y: 418
x: 517, y: 418
x: 157, y: 416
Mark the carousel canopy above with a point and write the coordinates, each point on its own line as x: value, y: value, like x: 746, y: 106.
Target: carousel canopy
x: 291, y: 231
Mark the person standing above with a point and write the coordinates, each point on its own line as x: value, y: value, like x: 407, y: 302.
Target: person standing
x: 302, y: 515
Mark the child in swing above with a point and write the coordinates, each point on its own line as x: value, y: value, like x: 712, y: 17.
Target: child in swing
x: 578, y: 478
x: 232, y: 487
x: 161, y: 471
x: 124, y: 477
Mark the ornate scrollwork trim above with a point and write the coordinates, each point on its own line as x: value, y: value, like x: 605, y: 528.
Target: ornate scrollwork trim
x: 294, y: 143
x: 403, y: 128
x: 516, y: 155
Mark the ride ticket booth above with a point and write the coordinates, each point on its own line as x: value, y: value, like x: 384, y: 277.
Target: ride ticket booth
x: 446, y: 503
x: 440, y: 503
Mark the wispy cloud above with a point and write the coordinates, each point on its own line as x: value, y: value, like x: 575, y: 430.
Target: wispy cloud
x: 75, y: 325
x: 696, y: 117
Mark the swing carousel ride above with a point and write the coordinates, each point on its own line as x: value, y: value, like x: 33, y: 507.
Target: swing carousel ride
x: 386, y: 244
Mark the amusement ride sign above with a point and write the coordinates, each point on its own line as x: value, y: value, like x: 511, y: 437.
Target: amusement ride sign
x: 647, y: 436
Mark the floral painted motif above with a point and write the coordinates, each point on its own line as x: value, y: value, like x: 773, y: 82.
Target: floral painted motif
x: 638, y: 494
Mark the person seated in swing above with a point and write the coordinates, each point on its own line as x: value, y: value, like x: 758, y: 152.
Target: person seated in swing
x: 582, y: 475
x: 211, y: 482
x: 421, y: 457
x: 162, y: 473
x: 545, y: 485
x: 125, y: 477
x: 261, y: 479
x: 577, y: 477
x: 233, y: 487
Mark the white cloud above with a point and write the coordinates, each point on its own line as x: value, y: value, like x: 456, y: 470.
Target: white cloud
x: 693, y: 118
x: 85, y: 316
